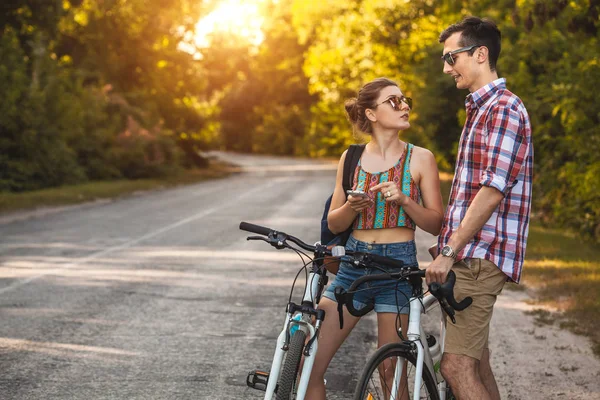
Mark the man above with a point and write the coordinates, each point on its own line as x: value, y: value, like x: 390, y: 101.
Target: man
x: 485, y: 227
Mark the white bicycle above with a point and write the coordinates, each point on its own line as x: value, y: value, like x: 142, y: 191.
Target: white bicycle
x: 299, y: 337
x: 409, y: 369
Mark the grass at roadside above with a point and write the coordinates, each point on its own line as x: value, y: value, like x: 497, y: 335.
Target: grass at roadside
x: 562, y: 271
x: 104, y: 189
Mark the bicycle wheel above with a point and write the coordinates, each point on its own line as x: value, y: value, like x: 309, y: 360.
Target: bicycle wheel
x: 377, y: 377
x: 289, y: 373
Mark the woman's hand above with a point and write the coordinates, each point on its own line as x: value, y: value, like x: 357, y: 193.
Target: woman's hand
x: 391, y: 192
x: 359, y: 203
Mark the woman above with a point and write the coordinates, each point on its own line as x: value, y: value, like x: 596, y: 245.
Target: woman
x: 402, y: 184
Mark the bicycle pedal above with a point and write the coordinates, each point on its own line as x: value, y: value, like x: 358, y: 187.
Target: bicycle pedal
x: 258, y: 380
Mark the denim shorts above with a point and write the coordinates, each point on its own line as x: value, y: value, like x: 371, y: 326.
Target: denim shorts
x: 389, y: 296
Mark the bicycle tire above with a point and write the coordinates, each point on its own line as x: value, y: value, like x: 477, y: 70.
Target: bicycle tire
x: 289, y: 373
x: 370, y: 386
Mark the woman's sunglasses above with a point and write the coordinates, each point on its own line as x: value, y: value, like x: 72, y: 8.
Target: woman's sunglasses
x: 449, y: 56
x: 396, y: 102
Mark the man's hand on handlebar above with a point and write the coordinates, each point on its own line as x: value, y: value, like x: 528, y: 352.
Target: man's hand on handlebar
x: 438, y: 270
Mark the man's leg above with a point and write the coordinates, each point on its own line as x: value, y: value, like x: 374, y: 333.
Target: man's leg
x: 465, y: 364
x: 487, y: 376
x: 462, y: 374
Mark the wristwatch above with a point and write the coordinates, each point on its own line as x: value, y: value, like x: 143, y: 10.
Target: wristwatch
x: 448, y: 251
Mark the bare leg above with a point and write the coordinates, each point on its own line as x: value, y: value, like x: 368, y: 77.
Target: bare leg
x: 386, y: 333
x: 462, y: 373
x: 331, y: 338
x: 487, y: 376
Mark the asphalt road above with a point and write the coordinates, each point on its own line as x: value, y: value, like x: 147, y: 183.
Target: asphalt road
x: 159, y: 295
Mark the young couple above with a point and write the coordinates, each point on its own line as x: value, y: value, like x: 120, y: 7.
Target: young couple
x: 483, y: 233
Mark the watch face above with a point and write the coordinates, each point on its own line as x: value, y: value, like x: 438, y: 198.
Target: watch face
x: 447, y: 251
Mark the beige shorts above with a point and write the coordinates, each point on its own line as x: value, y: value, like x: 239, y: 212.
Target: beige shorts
x: 483, y: 281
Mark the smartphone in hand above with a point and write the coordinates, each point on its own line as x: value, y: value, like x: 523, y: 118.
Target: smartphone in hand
x: 357, y: 193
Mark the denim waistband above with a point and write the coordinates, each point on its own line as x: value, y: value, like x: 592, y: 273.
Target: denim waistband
x: 393, y: 250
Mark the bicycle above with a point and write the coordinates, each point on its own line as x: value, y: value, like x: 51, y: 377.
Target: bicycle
x: 299, y: 336
x: 382, y: 377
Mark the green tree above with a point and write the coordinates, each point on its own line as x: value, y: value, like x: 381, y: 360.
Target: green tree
x: 267, y: 109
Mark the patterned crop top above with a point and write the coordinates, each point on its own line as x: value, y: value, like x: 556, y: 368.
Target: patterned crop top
x: 383, y: 214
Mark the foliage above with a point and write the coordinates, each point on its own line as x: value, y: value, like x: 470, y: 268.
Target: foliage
x: 102, y: 90
x: 546, y: 58
x: 267, y: 109
x: 554, y: 71
x: 33, y: 146
x: 72, y: 96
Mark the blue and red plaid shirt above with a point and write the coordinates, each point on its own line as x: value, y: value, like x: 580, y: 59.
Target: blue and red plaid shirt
x: 495, y: 150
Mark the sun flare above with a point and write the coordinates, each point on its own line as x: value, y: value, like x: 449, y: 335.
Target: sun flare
x: 241, y: 18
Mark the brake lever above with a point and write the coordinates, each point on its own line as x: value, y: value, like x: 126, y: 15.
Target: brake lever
x: 340, y: 293
x: 436, y: 290
x: 264, y: 239
x: 448, y: 292
x: 275, y: 242
x: 445, y: 295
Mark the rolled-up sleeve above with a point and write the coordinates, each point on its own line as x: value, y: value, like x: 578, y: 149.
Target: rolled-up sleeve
x: 506, y: 149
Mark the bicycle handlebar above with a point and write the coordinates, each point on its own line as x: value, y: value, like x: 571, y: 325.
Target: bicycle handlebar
x: 277, y: 238
x: 261, y: 230
x: 346, y: 297
x: 381, y: 260
x: 444, y: 293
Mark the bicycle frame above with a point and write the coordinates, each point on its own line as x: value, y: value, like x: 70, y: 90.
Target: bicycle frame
x: 417, y: 340
x: 416, y: 336
x: 310, y: 295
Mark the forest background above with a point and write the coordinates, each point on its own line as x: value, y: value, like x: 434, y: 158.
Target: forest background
x: 97, y: 90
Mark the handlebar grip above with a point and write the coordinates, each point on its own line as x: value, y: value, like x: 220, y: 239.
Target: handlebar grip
x: 445, y: 294
x: 466, y: 302
x: 366, y: 278
x: 389, y: 262
x: 261, y: 230
x: 347, y: 298
x: 448, y: 288
x: 358, y: 313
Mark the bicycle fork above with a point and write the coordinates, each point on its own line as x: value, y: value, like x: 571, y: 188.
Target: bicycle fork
x: 416, y: 335
x: 310, y: 350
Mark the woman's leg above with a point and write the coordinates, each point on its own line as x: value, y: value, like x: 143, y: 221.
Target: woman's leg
x: 387, y: 333
x: 331, y: 338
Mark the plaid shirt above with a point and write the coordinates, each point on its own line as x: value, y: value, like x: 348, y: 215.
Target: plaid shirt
x: 495, y: 150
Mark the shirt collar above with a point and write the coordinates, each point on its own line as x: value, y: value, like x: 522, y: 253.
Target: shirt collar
x: 480, y: 96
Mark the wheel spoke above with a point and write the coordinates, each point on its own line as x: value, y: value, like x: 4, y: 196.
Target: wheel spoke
x: 377, y: 381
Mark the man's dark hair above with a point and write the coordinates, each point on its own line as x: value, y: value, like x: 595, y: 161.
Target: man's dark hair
x: 475, y: 30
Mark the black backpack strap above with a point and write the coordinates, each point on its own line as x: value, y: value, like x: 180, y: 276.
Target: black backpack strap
x: 352, y: 156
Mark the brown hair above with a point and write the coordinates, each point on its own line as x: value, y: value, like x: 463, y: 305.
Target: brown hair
x: 367, y: 98
x: 477, y: 31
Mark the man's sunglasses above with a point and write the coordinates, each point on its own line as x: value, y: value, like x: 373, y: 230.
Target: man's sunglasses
x: 396, y: 102
x: 449, y: 56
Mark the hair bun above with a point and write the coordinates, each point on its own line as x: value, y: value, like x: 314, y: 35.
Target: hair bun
x: 352, y: 109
